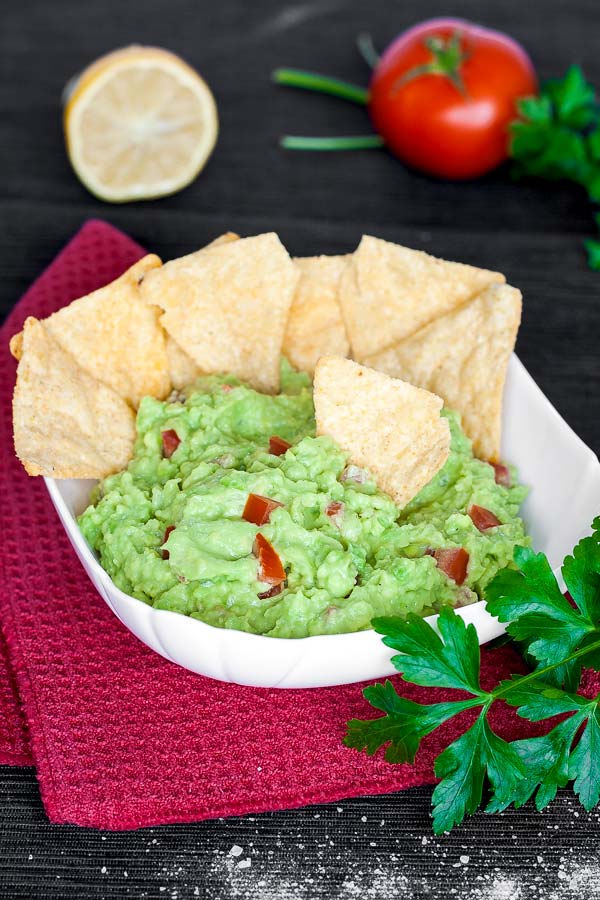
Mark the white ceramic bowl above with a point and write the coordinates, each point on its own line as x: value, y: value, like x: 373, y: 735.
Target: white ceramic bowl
x: 564, y: 479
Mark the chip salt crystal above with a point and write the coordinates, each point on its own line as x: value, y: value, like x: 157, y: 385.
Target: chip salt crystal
x: 387, y: 426
x: 75, y: 427
x: 387, y: 292
x: 114, y: 335
x: 463, y: 357
x: 315, y: 326
x: 226, y: 306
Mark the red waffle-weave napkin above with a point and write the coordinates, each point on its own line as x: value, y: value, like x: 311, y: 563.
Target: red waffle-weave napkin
x: 14, y: 745
x: 122, y: 738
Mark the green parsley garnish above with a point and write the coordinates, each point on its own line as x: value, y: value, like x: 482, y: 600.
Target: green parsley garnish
x: 556, y: 637
x: 558, y: 137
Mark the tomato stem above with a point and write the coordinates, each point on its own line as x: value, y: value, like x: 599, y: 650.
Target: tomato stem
x: 313, y: 81
x: 367, y: 50
x: 354, y: 142
x: 447, y: 57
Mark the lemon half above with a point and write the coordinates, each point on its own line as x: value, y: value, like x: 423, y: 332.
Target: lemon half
x: 139, y: 123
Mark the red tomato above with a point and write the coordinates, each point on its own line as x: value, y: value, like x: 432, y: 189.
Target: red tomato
x: 170, y: 442
x: 277, y: 445
x: 168, y: 530
x: 482, y: 518
x: 501, y: 474
x: 444, y: 93
x: 272, y: 592
x: 258, y: 509
x: 270, y: 567
x: 453, y: 562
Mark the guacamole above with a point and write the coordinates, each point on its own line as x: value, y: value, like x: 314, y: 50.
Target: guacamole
x: 170, y: 530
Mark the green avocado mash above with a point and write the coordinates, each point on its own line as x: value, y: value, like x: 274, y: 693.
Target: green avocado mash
x: 365, y: 558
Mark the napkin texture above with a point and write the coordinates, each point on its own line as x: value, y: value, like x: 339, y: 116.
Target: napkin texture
x: 14, y: 742
x: 120, y: 737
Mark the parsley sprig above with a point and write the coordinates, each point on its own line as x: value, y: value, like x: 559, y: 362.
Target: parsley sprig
x: 558, y: 137
x: 556, y: 637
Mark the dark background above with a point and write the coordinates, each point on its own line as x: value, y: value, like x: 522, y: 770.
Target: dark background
x: 366, y: 848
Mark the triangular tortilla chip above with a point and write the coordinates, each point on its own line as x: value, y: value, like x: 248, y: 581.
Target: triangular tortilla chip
x: 182, y: 368
x: 227, y: 306
x: 66, y: 423
x: 389, y: 427
x: 463, y: 357
x: 390, y: 291
x: 315, y: 326
x: 115, y: 336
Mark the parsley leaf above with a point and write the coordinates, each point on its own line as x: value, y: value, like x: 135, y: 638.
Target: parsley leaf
x: 462, y: 768
x: 449, y: 661
x: 593, y: 252
x: 557, y: 136
x: 557, y: 635
x: 402, y: 727
x: 540, y: 618
x: 573, y: 98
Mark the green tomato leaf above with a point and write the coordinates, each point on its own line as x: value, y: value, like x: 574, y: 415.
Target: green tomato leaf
x: 450, y: 661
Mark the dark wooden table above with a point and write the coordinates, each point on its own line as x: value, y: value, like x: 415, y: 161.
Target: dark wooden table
x: 372, y: 847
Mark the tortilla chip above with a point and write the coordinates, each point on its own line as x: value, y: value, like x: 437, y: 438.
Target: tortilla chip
x: 389, y: 427
x: 226, y: 238
x: 15, y: 345
x: 182, y: 368
x: 315, y: 326
x: 115, y: 336
x: 463, y: 357
x: 389, y: 291
x: 66, y: 423
x: 227, y: 306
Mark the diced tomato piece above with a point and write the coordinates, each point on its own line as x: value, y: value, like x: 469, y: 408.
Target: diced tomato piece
x: 453, y: 562
x: 168, y: 530
x: 170, y: 442
x: 501, y: 474
x: 483, y: 518
x: 226, y: 388
x: 258, y: 509
x: 270, y: 567
x: 272, y: 592
x: 277, y: 445
x: 334, y: 508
